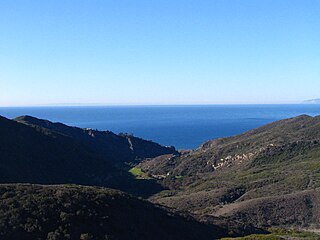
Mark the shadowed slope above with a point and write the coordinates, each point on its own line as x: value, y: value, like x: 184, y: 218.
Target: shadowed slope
x: 43, y: 156
x: 74, y: 212
x: 116, y: 148
x: 30, y: 154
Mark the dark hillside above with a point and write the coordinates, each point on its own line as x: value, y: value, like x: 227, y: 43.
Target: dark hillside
x: 43, y: 156
x: 57, y: 154
x: 29, y: 212
x: 116, y: 148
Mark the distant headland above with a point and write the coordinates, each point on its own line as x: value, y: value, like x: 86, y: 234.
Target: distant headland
x: 312, y: 101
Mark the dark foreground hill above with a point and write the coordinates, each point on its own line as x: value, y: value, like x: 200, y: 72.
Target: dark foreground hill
x: 269, y: 176
x: 30, y: 212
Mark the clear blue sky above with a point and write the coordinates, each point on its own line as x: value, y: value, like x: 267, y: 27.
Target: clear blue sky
x: 159, y: 51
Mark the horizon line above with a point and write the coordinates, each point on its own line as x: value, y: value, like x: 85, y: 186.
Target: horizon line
x: 149, y: 105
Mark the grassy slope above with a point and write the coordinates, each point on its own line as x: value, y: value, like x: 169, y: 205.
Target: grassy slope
x: 284, y: 160
x: 280, y: 234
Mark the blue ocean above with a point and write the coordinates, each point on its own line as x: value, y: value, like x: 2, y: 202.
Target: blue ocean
x: 184, y: 127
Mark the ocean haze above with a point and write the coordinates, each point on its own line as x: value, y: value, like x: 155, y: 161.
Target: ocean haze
x: 185, y: 127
